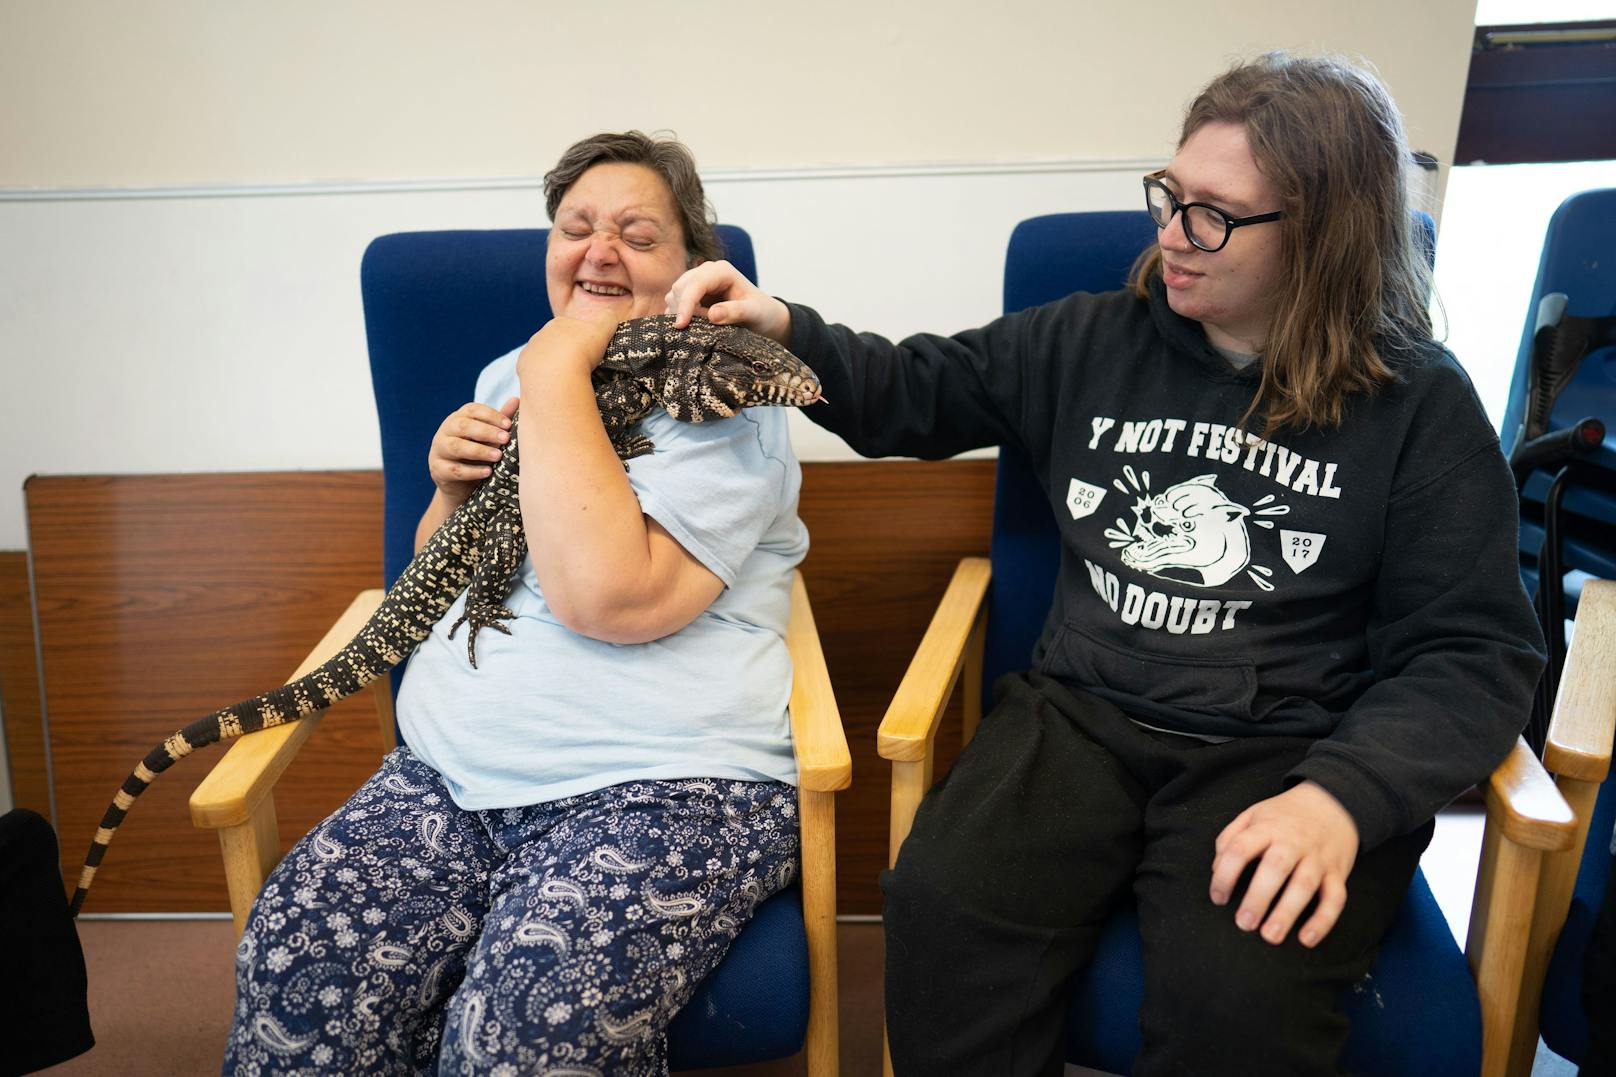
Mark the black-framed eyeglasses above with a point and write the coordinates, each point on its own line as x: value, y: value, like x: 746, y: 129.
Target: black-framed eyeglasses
x: 1205, y: 225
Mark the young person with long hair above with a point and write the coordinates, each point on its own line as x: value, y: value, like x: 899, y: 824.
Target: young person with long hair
x: 1288, y: 626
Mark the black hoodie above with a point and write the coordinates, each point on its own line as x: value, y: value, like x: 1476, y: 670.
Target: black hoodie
x: 1356, y: 585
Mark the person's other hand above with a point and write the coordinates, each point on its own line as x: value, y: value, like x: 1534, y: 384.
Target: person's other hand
x: 1304, y: 843
x: 467, y: 446
x: 720, y: 293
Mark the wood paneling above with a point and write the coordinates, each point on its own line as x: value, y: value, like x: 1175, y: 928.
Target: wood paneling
x: 19, y: 687
x: 162, y: 598
x: 884, y: 539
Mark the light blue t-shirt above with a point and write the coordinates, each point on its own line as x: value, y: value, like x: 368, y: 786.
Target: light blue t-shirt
x: 548, y: 713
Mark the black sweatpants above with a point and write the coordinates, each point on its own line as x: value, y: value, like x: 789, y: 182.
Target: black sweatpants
x: 1057, y: 807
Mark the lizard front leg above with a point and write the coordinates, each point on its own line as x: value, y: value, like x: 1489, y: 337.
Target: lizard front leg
x: 499, y: 556
x: 622, y: 405
x: 630, y: 444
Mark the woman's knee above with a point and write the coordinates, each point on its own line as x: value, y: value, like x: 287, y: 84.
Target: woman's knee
x: 530, y: 1030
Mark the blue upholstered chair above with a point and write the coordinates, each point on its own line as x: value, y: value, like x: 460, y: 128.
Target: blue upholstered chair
x: 1426, y: 1011
x: 1579, y: 263
x: 438, y: 307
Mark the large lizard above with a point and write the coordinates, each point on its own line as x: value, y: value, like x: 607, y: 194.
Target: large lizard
x: 703, y: 372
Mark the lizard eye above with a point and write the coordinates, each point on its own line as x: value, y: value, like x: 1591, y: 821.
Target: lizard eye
x: 759, y: 367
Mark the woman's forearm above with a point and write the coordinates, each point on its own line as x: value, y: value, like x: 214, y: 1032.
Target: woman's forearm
x: 607, y: 570
x: 585, y: 529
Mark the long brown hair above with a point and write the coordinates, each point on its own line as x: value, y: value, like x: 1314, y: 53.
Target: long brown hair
x: 668, y: 158
x: 1329, y: 137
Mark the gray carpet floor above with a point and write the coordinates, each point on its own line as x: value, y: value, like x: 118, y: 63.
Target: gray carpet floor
x: 161, y: 992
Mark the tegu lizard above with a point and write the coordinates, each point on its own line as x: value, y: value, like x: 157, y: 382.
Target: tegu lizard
x: 703, y: 372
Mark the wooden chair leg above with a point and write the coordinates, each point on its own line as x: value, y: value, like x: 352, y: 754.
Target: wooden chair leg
x: 823, y: 1047
x: 251, y: 851
x: 1505, y: 890
x: 910, y: 780
x: 1556, y: 881
x: 971, y: 681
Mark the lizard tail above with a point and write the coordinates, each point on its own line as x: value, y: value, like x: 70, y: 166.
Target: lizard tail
x: 421, y: 594
x: 346, y: 673
x: 157, y: 760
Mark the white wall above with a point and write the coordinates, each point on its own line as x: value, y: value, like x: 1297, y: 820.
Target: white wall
x: 195, y: 91
x: 225, y: 333
x: 186, y: 186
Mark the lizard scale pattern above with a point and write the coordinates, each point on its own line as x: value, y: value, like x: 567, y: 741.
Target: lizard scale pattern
x: 699, y: 373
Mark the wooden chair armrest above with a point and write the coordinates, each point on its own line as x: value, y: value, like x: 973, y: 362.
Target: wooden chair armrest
x: 1524, y: 816
x: 911, y: 720
x: 1520, y: 941
x: 1579, y: 741
x: 824, y: 765
x: 824, y: 762
x: 239, y: 782
x: 1524, y: 804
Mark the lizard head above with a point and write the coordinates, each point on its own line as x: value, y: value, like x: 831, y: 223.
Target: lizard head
x: 733, y: 368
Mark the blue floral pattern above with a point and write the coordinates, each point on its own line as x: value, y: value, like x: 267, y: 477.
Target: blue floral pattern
x: 404, y: 935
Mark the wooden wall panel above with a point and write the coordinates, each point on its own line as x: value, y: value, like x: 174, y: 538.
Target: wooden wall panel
x: 162, y: 598
x: 883, y: 541
x: 19, y: 687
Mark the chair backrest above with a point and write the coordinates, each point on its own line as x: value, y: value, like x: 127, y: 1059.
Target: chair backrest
x: 438, y: 307
x: 1578, y: 261
x: 1050, y: 257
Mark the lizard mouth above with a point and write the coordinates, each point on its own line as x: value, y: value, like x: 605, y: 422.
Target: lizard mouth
x: 799, y: 393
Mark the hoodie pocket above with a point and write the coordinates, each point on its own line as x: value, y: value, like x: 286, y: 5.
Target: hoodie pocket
x: 1221, y: 686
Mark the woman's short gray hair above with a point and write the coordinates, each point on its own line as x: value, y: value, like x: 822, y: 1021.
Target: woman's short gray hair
x: 668, y: 158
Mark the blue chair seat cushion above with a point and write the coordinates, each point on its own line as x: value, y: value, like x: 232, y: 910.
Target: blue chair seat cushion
x: 754, y: 1005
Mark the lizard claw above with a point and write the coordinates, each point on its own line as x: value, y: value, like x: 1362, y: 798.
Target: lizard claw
x: 479, y: 619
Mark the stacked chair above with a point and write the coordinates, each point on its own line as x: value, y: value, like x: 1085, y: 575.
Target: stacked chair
x: 1558, y: 426
x: 438, y: 307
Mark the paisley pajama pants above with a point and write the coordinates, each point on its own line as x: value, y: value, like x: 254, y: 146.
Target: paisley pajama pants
x: 404, y: 935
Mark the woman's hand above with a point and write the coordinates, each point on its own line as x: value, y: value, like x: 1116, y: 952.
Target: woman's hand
x: 1304, y: 836
x: 607, y: 570
x: 720, y: 293
x: 467, y: 446
x: 566, y: 345
x: 463, y: 453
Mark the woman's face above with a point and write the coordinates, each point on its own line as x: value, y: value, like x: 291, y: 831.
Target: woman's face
x: 1229, y: 292
x: 616, y: 246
